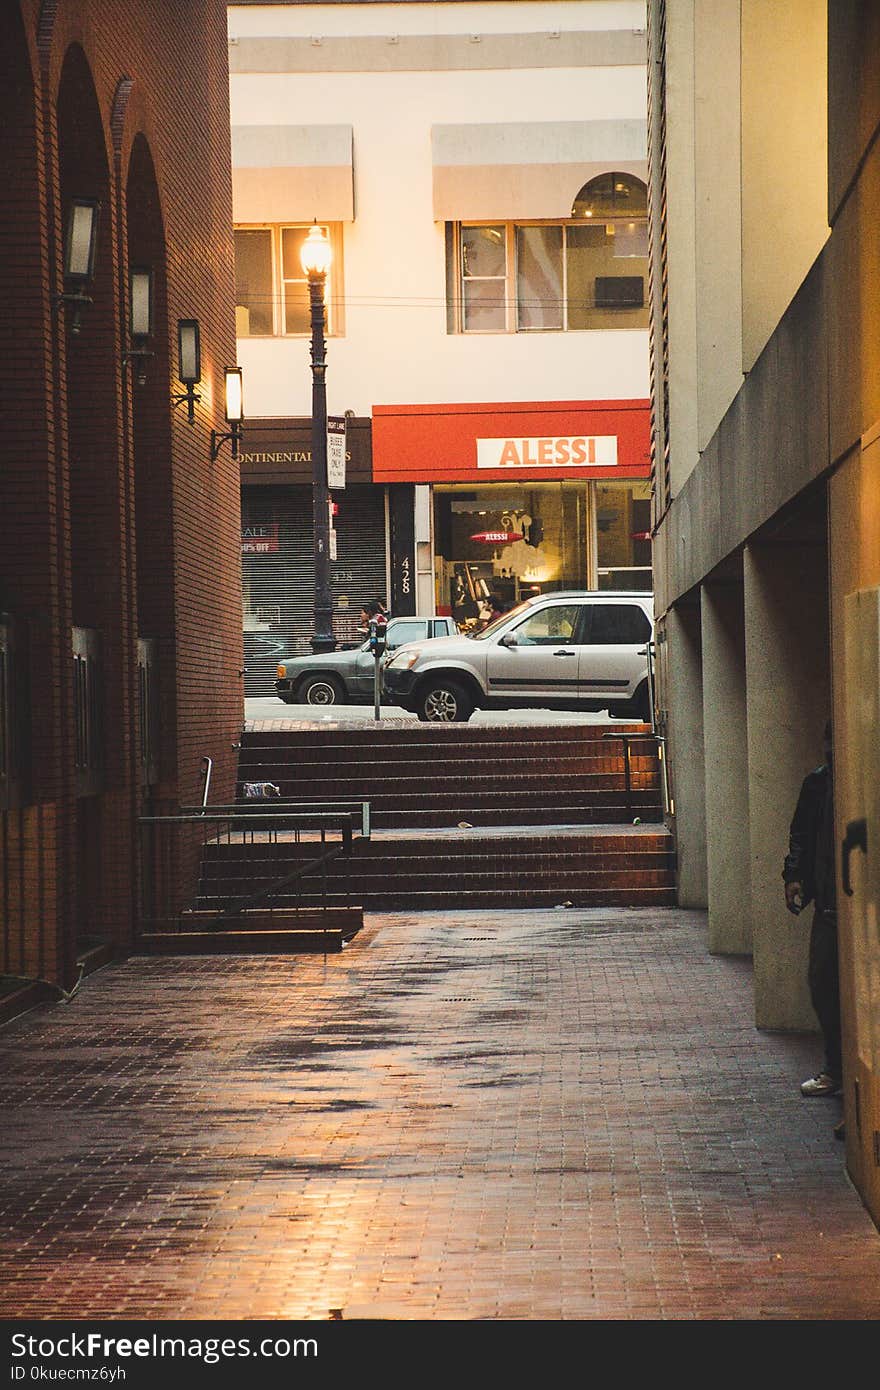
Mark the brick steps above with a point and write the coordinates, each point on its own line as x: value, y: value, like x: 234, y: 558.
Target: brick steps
x: 480, y: 760
x: 444, y: 813
x: 463, y: 870
x: 359, y: 783
x: 521, y: 843
x: 240, y: 943
x: 421, y: 780
x: 221, y: 887
x: 536, y: 814
x: 438, y: 775
x: 392, y: 899
x: 362, y: 869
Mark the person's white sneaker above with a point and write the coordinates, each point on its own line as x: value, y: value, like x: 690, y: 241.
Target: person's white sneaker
x: 821, y: 1085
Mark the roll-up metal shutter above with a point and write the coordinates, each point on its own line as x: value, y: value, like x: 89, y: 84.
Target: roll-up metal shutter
x: 278, y: 585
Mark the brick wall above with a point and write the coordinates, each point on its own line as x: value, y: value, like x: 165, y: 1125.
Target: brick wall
x: 112, y: 514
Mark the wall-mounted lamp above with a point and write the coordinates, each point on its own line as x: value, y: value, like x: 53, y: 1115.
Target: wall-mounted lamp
x: 140, y: 319
x: 234, y: 413
x: 189, y: 365
x: 80, y: 244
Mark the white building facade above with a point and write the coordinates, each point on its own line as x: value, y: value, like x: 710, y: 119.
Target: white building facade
x: 480, y: 169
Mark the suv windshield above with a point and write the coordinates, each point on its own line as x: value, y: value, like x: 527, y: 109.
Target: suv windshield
x: 493, y: 627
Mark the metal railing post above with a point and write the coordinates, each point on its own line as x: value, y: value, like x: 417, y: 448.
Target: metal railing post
x: 207, y: 769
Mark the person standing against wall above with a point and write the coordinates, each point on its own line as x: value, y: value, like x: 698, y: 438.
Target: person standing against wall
x: 809, y: 876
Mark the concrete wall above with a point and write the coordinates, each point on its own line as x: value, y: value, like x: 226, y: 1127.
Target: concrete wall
x: 814, y: 390
x: 789, y: 699
x: 854, y: 515
x: 746, y: 149
x: 718, y: 211
x: 852, y: 263
x: 725, y: 736
x: 684, y: 444
x: 772, y: 442
x: 784, y: 158
x: 682, y: 667
x: 853, y: 92
x: 811, y: 397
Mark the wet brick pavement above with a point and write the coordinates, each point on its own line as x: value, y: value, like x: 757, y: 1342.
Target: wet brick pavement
x: 541, y: 1115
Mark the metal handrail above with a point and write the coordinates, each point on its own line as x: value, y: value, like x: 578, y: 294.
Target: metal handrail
x: 329, y: 827
x: 626, y: 737
x: 232, y: 909
x: 275, y: 807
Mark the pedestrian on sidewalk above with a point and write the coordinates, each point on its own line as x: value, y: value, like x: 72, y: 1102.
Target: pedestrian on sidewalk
x: 809, y: 876
x: 372, y: 611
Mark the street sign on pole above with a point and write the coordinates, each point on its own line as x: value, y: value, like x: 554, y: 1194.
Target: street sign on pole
x: 336, y: 451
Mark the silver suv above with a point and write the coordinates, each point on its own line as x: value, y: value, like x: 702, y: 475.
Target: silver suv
x: 557, y: 651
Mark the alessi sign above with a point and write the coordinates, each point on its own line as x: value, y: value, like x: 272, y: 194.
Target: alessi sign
x: 567, y: 451
x: 498, y: 537
x: 513, y: 441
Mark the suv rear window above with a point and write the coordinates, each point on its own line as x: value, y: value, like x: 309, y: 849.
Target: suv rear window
x: 617, y: 623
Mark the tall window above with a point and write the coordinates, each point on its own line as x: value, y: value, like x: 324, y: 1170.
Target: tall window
x: 254, y: 284
x: 587, y: 272
x: 483, y: 278
x: 271, y: 291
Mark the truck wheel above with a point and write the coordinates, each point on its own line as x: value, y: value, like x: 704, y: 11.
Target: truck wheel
x: 444, y: 702
x: 641, y: 703
x: 321, y: 690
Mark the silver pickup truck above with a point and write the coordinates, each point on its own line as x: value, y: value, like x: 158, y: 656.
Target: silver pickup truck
x: 346, y: 677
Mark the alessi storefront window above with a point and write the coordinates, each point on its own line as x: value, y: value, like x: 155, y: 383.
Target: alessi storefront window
x: 504, y: 543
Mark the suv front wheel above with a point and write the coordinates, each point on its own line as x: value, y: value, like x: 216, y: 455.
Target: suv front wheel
x: 442, y: 701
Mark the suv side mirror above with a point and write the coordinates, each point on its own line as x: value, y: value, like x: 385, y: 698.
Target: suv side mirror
x: 509, y: 639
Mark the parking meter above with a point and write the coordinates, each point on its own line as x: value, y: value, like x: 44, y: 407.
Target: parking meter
x: 378, y: 642
x: 378, y: 637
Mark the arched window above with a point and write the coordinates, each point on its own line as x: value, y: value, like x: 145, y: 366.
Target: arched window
x: 607, y: 253
x: 588, y: 271
x: 611, y: 196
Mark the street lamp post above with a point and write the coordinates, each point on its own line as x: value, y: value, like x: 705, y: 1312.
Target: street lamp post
x: 315, y: 257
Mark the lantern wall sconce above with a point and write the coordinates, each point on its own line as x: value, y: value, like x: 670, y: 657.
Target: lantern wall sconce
x: 189, y: 366
x: 234, y: 412
x: 80, y: 244
x: 140, y: 320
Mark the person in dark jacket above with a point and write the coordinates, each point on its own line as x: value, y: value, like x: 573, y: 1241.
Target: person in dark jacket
x: 809, y: 876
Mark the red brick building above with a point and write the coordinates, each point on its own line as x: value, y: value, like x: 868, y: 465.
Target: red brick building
x: 120, y: 603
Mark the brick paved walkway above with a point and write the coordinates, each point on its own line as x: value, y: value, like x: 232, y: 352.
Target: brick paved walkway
x: 543, y: 1115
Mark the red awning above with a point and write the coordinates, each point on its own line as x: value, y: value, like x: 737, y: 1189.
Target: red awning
x: 516, y: 442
